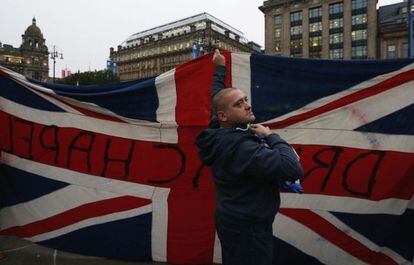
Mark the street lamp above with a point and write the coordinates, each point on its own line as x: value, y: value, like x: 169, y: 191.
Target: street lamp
x: 55, y: 55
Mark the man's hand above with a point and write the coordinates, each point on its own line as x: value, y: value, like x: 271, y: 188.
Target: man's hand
x: 260, y: 129
x: 218, y: 58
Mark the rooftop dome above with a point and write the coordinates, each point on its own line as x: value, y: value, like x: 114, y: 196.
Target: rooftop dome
x: 33, y: 30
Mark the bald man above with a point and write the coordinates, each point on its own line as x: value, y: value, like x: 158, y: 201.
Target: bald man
x: 247, y: 162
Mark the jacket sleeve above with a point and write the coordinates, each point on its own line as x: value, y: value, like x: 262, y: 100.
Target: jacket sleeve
x: 290, y: 167
x: 219, y: 83
x: 253, y: 159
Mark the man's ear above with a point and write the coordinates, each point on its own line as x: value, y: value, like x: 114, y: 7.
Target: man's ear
x: 221, y: 116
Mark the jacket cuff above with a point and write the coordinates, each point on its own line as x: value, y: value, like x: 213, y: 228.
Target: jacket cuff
x: 274, y: 139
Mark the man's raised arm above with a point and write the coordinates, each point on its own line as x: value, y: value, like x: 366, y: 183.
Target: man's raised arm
x: 219, y: 82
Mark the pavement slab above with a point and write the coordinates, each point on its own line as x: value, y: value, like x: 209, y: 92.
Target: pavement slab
x: 22, y: 252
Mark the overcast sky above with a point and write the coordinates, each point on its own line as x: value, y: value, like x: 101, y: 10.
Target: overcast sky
x: 84, y: 30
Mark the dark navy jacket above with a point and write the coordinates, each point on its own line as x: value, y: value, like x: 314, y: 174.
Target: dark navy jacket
x: 246, y: 169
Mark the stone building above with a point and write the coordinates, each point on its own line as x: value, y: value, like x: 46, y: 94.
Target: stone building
x: 157, y: 50
x: 321, y: 28
x: 393, y: 31
x: 31, y: 58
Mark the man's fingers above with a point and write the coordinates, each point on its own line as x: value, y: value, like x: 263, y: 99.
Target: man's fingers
x: 218, y: 58
x: 256, y: 126
x: 260, y: 129
x: 216, y: 54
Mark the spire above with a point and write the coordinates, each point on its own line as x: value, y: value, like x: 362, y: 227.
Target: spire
x: 34, y: 21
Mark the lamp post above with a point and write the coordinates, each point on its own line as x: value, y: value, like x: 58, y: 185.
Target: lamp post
x: 55, y: 55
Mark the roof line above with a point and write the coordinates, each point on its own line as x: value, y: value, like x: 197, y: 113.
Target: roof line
x: 178, y: 23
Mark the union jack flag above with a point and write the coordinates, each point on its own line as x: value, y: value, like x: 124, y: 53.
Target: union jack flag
x: 112, y: 170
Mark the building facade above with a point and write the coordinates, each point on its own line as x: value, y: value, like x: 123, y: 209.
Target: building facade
x: 31, y: 58
x: 393, y: 31
x: 157, y: 50
x: 335, y: 29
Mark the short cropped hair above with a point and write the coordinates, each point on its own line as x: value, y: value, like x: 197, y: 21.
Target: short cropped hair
x: 218, y: 102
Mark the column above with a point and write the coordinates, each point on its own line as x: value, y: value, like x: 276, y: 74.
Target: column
x: 347, y: 29
x: 325, y: 30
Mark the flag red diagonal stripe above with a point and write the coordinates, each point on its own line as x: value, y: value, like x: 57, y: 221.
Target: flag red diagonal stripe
x: 77, y: 214
x: 361, y: 94
x: 86, y: 111
x: 336, y: 236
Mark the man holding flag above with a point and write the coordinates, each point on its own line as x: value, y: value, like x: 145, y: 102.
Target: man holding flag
x: 248, y: 162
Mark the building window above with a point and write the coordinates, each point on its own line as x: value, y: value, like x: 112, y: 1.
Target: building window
x: 336, y: 8
x: 359, y: 51
x: 278, y: 33
x: 315, y: 41
x: 314, y: 27
x: 359, y: 19
x: 404, y: 51
x: 336, y: 38
x: 277, y: 46
x: 391, y: 51
x: 278, y: 20
x: 336, y: 23
x: 357, y: 4
x: 296, y: 44
x: 296, y: 16
x: 315, y: 12
x: 336, y: 54
x: 296, y: 30
x: 315, y: 54
x: 359, y: 34
x: 37, y: 75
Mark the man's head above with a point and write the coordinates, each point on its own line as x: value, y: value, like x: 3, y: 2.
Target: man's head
x: 232, y: 108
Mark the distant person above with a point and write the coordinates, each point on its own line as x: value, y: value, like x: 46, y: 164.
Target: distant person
x: 247, y: 162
